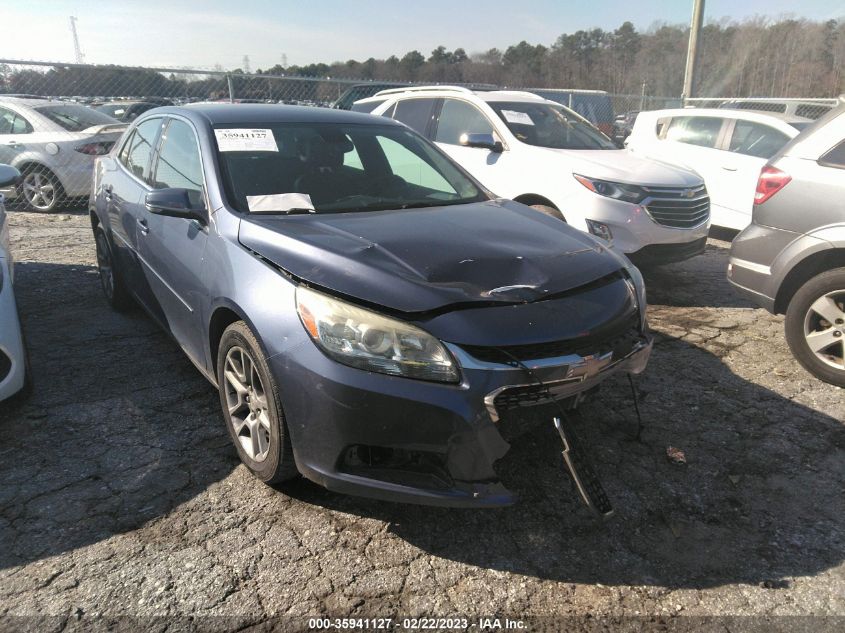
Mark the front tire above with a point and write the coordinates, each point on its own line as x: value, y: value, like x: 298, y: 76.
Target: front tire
x: 252, y: 408
x: 815, y: 326
x: 111, y: 281
x: 544, y: 208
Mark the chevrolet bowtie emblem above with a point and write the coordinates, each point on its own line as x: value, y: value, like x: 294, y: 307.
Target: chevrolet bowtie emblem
x: 590, y: 366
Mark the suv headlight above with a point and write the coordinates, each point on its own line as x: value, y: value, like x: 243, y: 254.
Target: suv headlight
x: 366, y: 340
x: 616, y: 190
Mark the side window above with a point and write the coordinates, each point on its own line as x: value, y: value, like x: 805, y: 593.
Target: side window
x: 410, y: 168
x: 756, y: 139
x: 366, y: 107
x: 178, y: 164
x: 694, y: 130
x: 835, y: 157
x: 459, y: 117
x: 415, y: 113
x: 13, y: 123
x: 140, y: 148
x: 811, y: 111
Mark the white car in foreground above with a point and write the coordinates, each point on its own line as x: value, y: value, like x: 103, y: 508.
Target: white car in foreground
x: 538, y: 152
x: 727, y: 147
x: 12, y: 353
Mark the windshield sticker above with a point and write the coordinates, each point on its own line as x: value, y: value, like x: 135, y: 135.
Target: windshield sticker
x: 280, y: 203
x: 246, y: 140
x: 520, y: 118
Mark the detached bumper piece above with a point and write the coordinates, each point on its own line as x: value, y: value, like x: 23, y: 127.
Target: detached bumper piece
x: 581, y: 470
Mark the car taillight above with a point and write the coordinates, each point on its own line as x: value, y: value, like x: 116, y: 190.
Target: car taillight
x: 94, y: 149
x: 771, y: 181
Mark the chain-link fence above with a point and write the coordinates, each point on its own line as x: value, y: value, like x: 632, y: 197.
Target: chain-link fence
x: 56, y: 118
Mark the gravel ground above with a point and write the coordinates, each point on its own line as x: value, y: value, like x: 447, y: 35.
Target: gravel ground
x: 121, y: 497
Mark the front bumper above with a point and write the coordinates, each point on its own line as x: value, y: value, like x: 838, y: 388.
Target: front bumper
x: 632, y: 228
x: 396, y: 439
x: 12, y: 355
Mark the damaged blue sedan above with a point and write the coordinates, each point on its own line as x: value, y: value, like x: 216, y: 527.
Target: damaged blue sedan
x: 372, y: 317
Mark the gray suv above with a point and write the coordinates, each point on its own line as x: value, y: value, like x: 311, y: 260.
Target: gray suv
x: 791, y: 259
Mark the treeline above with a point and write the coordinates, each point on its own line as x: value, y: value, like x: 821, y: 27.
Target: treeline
x: 752, y: 58
x: 788, y: 58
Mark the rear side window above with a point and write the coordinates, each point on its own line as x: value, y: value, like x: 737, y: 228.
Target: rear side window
x: 756, y: 139
x: 135, y: 155
x: 415, y: 113
x: 13, y: 123
x: 762, y: 106
x: 178, y: 164
x: 367, y: 107
x: 835, y: 157
x: 695, y: 130
x: 457, y: 118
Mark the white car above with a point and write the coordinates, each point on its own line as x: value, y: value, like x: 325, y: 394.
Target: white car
x: 538, y: 152
x: 727, y: 147
x: 12, y: 354
x: 54, y: 144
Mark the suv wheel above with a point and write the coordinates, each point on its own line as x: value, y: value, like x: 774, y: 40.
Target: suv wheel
x: 110, y: 279
x: 252, y: 407
x: 41, y: 189
x: 815, y: 326
x: 543, y: 208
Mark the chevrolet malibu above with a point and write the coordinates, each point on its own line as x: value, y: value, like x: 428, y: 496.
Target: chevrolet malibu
x: 372, y: 317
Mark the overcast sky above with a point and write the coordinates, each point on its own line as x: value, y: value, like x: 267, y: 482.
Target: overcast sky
x: 202, y: 34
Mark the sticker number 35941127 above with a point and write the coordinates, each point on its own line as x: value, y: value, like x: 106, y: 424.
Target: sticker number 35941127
x: 245, y: 140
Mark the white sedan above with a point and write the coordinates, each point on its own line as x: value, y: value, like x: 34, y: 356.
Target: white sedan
x: 12, y: 353
x: 728, y: 148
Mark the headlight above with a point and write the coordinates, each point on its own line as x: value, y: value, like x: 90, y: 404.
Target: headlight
x: 366, y: 340
x: 615, y: 190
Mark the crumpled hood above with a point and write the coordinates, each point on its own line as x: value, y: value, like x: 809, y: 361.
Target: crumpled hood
x: 622, y: 165
x: 419, y: 260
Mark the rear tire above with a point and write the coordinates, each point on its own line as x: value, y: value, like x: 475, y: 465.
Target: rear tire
x: 815, y: 326
x: 252, y: 407
x: 544, y: 208
x: 111, y: 281
x: 40, y: 189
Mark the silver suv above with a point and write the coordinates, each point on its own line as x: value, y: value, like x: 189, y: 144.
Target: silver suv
x: 791, y: 259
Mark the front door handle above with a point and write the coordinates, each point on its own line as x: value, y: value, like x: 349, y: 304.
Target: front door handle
x: 726, y: 168
x: 142, y: 226
x: 13, y: 144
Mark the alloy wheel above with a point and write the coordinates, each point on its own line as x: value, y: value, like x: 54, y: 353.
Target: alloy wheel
x: 104, y: 265
x: 39, y: 190
x: 824, y: 328
x: 246, y: 401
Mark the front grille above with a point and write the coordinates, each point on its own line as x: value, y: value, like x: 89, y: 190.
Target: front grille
x: 614, y: 337
x: 679, y: 208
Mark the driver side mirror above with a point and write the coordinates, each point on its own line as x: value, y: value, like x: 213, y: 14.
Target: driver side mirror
x: 174, y: 203
x: 9, y: 176
x: 481, y: 140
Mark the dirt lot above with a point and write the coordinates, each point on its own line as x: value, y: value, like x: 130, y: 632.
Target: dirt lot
x: 121, y: 496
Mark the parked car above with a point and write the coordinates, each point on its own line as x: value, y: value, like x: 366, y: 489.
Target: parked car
x: 791, y: 259
x: 542, y: 154
x: 594, y: 105
x: 126, y: 111
x: 623, y: 124
x: 727, y: 147
x: 54, y: 145
x: 808, y: 109
x: 340, y: 280
x: 13, y: 366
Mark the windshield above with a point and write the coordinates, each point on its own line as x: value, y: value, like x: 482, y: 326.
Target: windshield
x: 75, y: 118
x: 339, y: 168
x: 548, y: 125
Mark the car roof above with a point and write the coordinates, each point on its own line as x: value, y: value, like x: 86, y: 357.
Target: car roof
x: 255, y: 113
x: 727, y: 113
x: 32, y: 102
x: 457, y: 91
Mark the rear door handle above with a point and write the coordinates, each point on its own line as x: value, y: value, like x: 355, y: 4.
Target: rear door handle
x: 13, y: 144
x: 142, y: 226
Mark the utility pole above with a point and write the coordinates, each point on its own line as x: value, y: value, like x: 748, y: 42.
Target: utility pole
x: 80, y: 58
x: 692, y: 51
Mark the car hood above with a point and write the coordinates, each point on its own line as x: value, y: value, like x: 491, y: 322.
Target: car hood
x: 420, y: 260
x: 622, y: 165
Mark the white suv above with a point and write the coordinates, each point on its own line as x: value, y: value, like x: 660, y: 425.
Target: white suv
x: 542, y: 154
